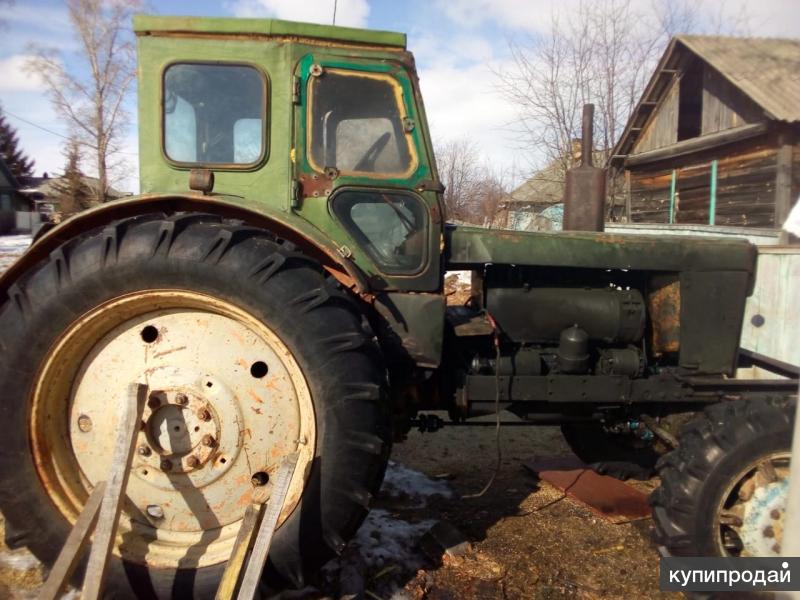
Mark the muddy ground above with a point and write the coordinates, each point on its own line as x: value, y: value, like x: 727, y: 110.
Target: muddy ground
x: 526, y: 540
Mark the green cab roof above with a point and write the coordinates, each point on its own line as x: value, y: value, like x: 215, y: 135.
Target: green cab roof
x: 144, y: 24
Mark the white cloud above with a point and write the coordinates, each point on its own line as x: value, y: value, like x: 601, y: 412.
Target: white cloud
x: 779, y: 18
x: 14, y: 77
x: 349, y: 13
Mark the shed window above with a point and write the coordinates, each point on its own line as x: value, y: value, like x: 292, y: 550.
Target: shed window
x: 690, y: 107
x: 214, y: 114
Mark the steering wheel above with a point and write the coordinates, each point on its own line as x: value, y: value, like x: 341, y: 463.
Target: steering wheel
x: 367, y: 162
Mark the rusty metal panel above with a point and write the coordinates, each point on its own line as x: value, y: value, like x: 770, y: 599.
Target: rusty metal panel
x: 609, y: 498
x: 664, y: 306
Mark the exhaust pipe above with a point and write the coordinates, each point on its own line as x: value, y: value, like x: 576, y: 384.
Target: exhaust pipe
x: 585, y: 189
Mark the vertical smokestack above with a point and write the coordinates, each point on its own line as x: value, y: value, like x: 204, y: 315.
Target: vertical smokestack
x: 585, y: 189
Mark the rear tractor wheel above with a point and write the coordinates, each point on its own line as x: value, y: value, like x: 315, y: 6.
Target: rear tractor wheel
x: 249, y: 352
x: 724, y: 490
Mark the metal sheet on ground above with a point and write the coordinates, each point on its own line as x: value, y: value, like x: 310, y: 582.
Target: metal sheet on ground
x: 610, y: 498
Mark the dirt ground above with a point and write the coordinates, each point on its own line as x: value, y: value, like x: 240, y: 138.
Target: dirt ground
x: 526, y: 540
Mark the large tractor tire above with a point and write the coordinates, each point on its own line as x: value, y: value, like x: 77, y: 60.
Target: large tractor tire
x: 724, y: 490
x: 249, y: 352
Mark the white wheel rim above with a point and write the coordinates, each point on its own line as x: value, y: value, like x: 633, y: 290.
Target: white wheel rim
x: 227, y: 400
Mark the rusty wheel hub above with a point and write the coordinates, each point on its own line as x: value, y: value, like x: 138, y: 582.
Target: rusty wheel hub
x: 751, y: 515
x: 226, y: 401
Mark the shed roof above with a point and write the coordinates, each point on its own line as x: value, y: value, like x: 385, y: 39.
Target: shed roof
x: 766, y: 70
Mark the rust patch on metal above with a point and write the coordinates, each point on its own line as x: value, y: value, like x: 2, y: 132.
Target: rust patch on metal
x: 314, y: 185
x: 607, y: 497
x: 664, y: 306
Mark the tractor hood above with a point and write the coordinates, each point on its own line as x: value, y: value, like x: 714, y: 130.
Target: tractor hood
x: 467, y: 247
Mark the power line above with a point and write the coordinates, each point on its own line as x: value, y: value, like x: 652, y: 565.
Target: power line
x: 50, y: 131
x: 335, y: 2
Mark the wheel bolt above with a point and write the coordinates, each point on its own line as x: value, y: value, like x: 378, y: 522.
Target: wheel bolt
x: 769, y: 532
x: 182, y: 399
x: 204, y: 415
x: 155, y: 511
x: 192, y: 462
x: 84, y: 423
x: 775, y: 513
x: 208, y: 440
x: 144, y: 450
x: 155, y: 400
x: 166, y: 465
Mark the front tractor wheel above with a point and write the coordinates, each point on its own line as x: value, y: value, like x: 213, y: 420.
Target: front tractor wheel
x: 724, y: 490
x: 249, y: 352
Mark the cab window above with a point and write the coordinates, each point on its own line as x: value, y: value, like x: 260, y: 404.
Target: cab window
x: 214, y: 114
x: 390, y: 226
x: 356, y: 124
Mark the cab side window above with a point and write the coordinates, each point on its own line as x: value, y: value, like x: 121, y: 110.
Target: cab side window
x: 392, y: 227
x: 214, y: 114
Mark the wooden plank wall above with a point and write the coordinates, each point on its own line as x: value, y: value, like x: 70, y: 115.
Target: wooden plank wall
x: 725, y: 106
x: 661, y: 128
x: 745, y: 187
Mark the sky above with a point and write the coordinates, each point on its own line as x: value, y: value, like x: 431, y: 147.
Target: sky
x: 459, y: 46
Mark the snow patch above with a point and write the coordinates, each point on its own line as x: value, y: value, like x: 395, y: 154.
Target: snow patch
x: 11, y: 248
x: 402, y: 482
x: 19, y: 560
x: 383, y: 540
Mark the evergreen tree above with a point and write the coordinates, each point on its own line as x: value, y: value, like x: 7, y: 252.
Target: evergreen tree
x: 71, y: 190
x: 15, y: 159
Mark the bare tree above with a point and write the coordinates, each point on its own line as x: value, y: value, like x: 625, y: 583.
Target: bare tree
x: 94, y: 106
x: 604, y: 54
x: 458, y: 164
x: 474, y: 190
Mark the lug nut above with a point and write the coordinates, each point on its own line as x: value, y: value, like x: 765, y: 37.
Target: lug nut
x: 182, y: 399
x: 775, y: 513
x: 192, y: 462
x: 155, y: 511
x: 144, y: 450
x: 203, y: 414
x: 208, y: 440
x: 166, y: 465
x: 769, y: 532
x: 154, y: 400
x: 84, y: 423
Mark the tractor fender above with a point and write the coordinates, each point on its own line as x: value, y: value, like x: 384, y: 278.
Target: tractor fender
x: 324, y: 251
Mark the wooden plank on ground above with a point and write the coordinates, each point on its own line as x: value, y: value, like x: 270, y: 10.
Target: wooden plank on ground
x: 258, y: 557
x: 107, y: 522
x: 73, y: 548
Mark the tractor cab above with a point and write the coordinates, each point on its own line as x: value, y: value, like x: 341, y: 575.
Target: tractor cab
x: 320, y: 128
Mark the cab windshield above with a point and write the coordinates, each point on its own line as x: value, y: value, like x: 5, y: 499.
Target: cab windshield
x: 357, y: 124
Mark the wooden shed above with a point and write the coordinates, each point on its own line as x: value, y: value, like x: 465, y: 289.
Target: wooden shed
x: 715, y: 138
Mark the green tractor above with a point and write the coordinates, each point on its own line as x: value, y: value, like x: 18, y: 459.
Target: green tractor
x: 278, y: 286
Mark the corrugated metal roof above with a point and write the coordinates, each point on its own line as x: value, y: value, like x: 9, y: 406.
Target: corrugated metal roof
x: 767, y: 70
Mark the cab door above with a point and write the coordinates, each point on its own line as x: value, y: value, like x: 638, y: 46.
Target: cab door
x: 362, y: 171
